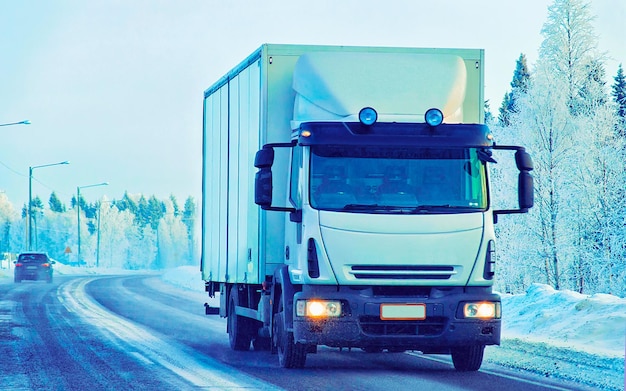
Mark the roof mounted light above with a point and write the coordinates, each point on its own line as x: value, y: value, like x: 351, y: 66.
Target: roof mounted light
x: 368, y: 116
x: 433, y: 117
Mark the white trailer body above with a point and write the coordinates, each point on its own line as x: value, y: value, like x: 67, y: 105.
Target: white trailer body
x: 370, y: 215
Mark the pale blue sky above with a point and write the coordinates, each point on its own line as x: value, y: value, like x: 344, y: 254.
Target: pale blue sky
x: 116, y: 86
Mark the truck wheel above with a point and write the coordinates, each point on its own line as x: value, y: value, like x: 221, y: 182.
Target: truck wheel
x: 238, y: 333
x: 468, y: 358
x: 290, y: 354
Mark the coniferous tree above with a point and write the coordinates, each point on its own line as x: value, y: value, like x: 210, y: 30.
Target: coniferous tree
x: 619, y: 95
x: 189, y: 214
x: 55, y: 204
x: 189, y: 219
x: 488, y: 115
x: 142, y: 216
x: 519, y: 85
x: 175, y: 207
x: 83, y: 204
x: 126, y: 203
x: 155, y: 212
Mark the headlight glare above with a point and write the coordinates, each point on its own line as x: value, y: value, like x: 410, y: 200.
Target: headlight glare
x: 318, y: 308
x: 482, y: 310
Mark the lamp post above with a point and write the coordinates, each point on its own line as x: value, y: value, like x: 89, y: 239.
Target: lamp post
x: 30, y: 198
x: 78, y: 210
x: 25, y: 122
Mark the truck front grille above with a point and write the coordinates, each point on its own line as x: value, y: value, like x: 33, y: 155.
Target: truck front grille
x: 373, y: 325
x: 402, y: 272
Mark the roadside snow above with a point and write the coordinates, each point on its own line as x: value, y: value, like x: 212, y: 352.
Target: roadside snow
x: 564, y: 334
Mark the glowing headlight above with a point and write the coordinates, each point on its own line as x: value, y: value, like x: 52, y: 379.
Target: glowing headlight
x: 483, y: 310
x: 318, y: 308
x: 433, y: 117
x: 368, y: 116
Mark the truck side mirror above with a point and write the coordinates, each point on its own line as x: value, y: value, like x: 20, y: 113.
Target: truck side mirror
x: 525, y: 190
x: 264, y: 158
x: 523, y: 161
x: 263, y: 183
x: 263, y: 187
x: 525, y: 184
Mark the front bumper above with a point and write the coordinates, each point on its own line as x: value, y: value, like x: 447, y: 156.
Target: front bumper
x: 361, y: 326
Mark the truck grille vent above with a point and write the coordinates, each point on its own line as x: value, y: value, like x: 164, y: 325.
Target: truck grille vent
x: 403, y: 291
x: 402, y: 272
x: 373, y: 325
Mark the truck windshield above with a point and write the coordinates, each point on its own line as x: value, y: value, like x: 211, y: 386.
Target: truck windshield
x: 397, y: 180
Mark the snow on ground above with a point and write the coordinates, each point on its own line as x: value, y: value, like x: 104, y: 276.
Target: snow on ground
x: 559, y: 334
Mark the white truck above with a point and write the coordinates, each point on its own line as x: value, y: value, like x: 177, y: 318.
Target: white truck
x: 346, y: 202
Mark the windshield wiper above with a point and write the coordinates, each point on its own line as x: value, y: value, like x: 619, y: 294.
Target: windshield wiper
x: 445, y: 208
x: 377, y: 208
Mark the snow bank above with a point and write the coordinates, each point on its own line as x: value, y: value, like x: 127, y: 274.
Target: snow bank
x: 186, y: 277
x: 594, y: 324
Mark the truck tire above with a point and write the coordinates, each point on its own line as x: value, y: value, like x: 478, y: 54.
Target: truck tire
x: 238, y: 332
x: 468, y: 358
x: 290, y: 353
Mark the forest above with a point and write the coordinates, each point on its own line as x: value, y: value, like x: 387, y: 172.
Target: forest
x: 134, y: 232
x: 571, y: 117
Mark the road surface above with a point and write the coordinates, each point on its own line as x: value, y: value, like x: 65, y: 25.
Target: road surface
x: 135, y: 332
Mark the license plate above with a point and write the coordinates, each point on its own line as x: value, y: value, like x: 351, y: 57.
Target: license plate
x: 31, y: 267
x: 402, y: 311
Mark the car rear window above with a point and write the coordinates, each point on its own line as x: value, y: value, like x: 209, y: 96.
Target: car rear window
x: 33, y: 258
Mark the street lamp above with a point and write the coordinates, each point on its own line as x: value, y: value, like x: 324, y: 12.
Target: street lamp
x: 25, y: 122
x: 78, y: 210
x: 30, y: 197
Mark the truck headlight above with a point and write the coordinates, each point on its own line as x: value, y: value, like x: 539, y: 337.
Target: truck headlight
x: 482, y: 310
x: 318, y: 308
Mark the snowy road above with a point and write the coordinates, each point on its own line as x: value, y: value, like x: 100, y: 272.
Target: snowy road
x: 137, y: 332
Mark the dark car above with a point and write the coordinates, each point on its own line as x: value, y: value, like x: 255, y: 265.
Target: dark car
x: 33, y: 266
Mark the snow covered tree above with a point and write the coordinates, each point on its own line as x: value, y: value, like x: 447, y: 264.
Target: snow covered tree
x: 126, y: 203
x: 544, y: 121
x: 114, y: 224
x: 569, y: 45
x: 566, y: 124
x: 175, y: 208
x: 619, y: 95
x: 155, y: 212
x: 592, y: 91
x: 601, y: 205
x: 7, y: 217
x: 189, y: 219
x: 173, y: 249
x: 55, y: 203
x: 519, y: 85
